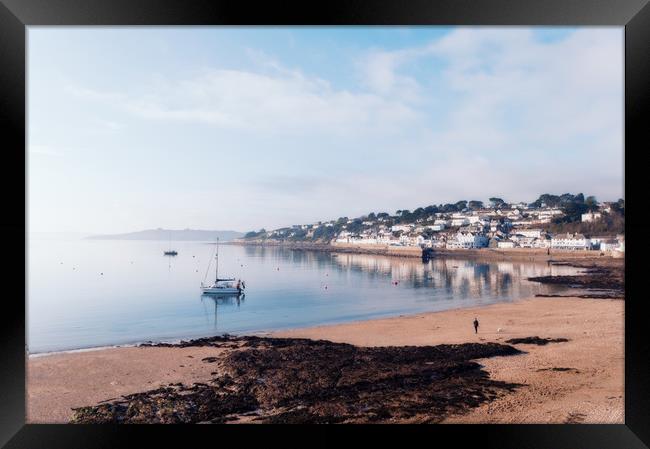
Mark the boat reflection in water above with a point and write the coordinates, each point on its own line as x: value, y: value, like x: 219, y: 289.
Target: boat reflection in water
x: 222, y: 300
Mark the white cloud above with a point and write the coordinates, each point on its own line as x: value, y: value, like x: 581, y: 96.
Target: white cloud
x: 550, y: 110
x: 284, y: 101
x: 380, y: 72
x: 503, y: 114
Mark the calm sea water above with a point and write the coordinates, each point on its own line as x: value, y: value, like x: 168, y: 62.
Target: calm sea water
x: 90, y: 293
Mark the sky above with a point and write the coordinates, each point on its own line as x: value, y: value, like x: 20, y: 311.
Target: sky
x: 243, y: 128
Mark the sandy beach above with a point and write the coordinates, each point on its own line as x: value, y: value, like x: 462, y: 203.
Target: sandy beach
x: 581, y: 380
x: 589, y: 387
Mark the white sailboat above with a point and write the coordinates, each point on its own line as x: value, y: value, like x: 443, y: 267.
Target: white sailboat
x: 225, y: 286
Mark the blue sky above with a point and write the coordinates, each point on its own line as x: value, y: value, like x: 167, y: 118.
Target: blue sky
x: 242, y: 127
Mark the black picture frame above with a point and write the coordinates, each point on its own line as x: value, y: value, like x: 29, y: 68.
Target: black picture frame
x: 16, y: 15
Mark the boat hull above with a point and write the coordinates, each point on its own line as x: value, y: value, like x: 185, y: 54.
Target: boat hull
x: 220, y: 291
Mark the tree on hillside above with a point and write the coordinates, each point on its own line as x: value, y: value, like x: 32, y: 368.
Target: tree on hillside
x: 253, y: 234
x: 567, y: 198
x: 496, y: 202
x: 591, y: 203
x: 419, y: 213
x: 355, y: 227
x: 619, y: 206
x: 572, y: 212
x: 324, y: 233
x: 474, y: 204
x: 431, y: 209
x: 548, y: 200
x: 405, y: 217
x: 460, y: 205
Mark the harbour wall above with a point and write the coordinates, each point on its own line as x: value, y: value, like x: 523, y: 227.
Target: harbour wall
x: 534, y: 254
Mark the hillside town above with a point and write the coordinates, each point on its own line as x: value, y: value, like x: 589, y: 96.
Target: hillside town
x: 566, y: 222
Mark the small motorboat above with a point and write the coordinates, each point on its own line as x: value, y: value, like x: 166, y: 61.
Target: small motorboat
x: 224, y: 286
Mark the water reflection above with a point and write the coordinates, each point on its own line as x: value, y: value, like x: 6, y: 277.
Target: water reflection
x: 456, y: 276
x: 221, y: 300
x: 95, y: 293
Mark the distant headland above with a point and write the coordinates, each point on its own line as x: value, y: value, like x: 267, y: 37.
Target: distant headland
x: 171, y: 234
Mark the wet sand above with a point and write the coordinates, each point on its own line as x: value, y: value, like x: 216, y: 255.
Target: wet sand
x: 581, y: 380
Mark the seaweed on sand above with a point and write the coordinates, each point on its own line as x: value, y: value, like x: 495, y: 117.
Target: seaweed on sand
x: 288, y: 380
x: 536, y: 340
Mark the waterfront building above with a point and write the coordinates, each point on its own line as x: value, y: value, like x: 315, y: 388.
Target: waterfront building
x: 570, y: 241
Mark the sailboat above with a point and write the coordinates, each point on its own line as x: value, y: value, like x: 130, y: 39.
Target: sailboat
x: 171, y: 251
x: 225, y: 286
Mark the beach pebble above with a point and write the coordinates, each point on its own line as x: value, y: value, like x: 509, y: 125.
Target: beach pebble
x: 499, y: 330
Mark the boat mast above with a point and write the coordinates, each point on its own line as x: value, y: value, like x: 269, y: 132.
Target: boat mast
x: 216, y: 269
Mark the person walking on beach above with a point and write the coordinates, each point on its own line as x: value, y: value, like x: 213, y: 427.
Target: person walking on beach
x: 476, y: 325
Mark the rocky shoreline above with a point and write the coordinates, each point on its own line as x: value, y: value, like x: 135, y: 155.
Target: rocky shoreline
x: 297, y: 380
x: 598, y: 280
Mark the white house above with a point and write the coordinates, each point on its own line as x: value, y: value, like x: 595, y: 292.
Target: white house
x: 591, y: 216
x: 470, y: 240
x: 570, y: 241
x: 401, y: 228
x: 459, y: 221
x: 610, y: 245
x: 514, y: 215
x: 547, y: 214
x: 506, y: 244
x: 536, y: 233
